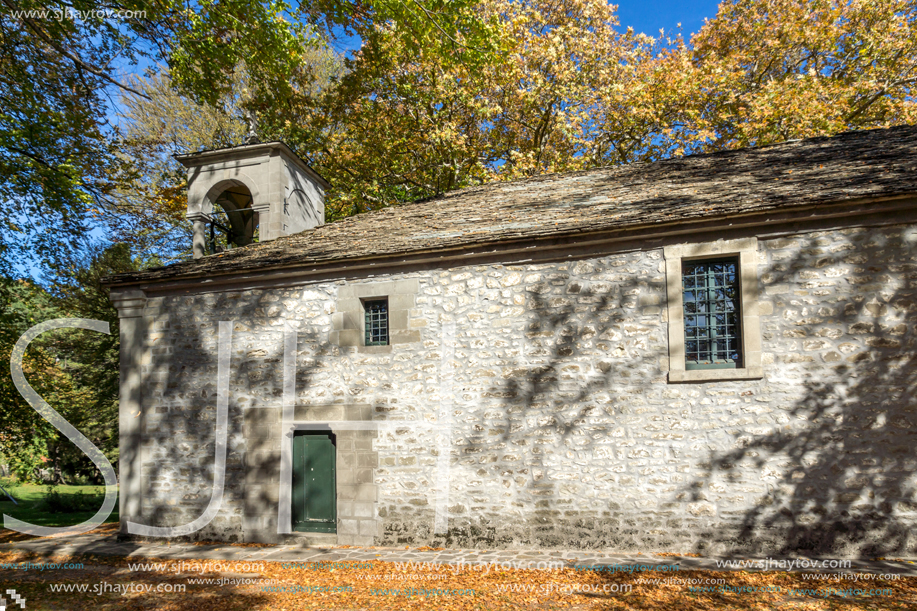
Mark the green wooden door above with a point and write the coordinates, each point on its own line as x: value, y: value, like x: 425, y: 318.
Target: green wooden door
x: 314, y: 497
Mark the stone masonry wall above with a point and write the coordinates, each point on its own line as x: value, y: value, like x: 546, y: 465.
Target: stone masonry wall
x: 565, y: 432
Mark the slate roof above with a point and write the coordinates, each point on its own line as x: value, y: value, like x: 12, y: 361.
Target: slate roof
x: 849, y: 166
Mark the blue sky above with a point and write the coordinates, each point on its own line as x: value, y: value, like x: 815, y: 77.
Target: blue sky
x: 648, y: 17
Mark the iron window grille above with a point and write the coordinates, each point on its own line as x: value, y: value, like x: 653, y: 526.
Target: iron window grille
x: 712, y: 314
x: 376, y: 311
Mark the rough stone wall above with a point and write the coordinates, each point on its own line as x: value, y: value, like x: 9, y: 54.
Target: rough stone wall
x: 565, y: 432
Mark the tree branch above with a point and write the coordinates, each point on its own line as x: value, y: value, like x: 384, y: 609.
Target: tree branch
x: 72, y: 57
x: 875, y: 97
x: 438, y: 27
x: 38, y: 159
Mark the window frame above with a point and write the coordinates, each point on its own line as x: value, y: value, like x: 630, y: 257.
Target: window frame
x: 348, y: 319
x: 367, y: 302
x: 709, y: 326
x: 745, y: 250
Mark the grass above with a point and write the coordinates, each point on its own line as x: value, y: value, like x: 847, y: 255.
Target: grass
x: 32, y: 506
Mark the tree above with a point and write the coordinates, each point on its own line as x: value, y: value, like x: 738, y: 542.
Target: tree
x: 524, y: 106
x: 75, y: 371
x: 158, y: 123
x: 23, y: 433
x: 54, y: 159
x: 563, y: 89
x: 454, y: 30
x: 765, y: 72
x: 91, y: 359
x: 460, y: 92
x: 57, y: 160
x: 58, y: 156
x: 148, y: 209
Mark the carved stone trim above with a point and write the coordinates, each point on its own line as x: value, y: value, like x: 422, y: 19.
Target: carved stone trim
x: 747, y: 251
x: 348, y: 322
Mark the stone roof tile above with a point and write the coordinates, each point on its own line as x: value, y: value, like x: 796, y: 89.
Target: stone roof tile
x: 850, y: 166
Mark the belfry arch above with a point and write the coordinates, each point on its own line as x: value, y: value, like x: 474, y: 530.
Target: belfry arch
x: 265, y: 189
x: 237, y: 201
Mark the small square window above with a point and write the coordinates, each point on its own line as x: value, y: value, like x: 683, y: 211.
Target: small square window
x: 376, y: 321
x: 712, y: 314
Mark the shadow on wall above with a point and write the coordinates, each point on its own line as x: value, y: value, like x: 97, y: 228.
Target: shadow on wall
x: 841, y: 475
x: 825, y: 464
x: 819, y: 457
x: 584, y: 363
x: 180, y: 426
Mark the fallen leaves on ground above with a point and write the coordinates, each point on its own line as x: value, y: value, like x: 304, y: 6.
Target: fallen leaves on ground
x: 371, y: 585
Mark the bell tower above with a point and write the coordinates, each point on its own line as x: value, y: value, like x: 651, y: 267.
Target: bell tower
x: 266, y: 190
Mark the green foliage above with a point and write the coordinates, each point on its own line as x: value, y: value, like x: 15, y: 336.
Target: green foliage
x: 53, y: 154
x: 214, y: 37
x: 23, y: 304
x: 75, y: 371
x: 454, y: 31
x: 57, y: 502
x: 26, y: 458
x: 90, y: 359
x: 58, y: 156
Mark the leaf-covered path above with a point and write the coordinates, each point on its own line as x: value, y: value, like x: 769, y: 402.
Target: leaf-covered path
x: 95, y: 571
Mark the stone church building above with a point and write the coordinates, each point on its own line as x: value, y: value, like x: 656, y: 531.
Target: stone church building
x: 710, y: 353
